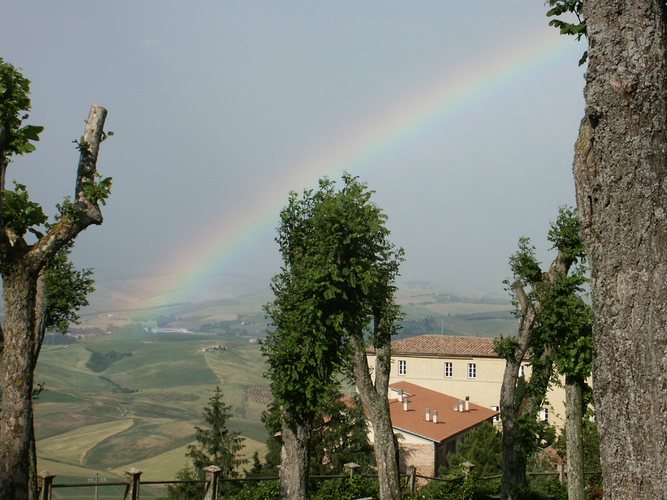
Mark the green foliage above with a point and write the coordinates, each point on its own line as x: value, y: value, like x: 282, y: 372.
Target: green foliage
x: 66, y: 290
x: 264, y: 490
x: 216, y: 444
x: 524, y: 264
x: 483, y: 447
x: 19, y: 213
x: 98, y: 191
x: 565, y: 234
x: 506, y: 347
x: 340, y: 438
x: 459, y: 484
x: 355, y: 486
x: 591, y: 456
x: 337, y: 276
x: 576, y: 29
x: 186, y: 491
x: 14, y: 107
x: 100, y: 361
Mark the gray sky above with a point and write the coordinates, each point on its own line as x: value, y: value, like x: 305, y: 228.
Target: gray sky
x: 219, y: 108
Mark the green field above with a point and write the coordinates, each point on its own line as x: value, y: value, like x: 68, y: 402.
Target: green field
x: 140, y: 410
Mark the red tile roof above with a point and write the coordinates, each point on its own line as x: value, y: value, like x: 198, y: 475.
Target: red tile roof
x: 442, y: 346
x: 450, y: 422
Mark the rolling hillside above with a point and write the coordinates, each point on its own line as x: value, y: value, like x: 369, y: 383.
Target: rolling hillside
x: 139, y: 410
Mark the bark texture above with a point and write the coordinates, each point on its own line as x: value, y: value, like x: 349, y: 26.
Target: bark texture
x: 294, y: 467
x: 620, y: 171
x: 575, y: 439
x: 22, y: 333
x: 374, y: 396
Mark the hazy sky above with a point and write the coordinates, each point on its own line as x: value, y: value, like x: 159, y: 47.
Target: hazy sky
x: 461, y: 115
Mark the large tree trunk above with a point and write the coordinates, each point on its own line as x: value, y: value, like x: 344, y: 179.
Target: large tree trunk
x: 16, y: 377
x: 294, y: 467
x: 620, y: 171
x: 574, y: 435
x: 375, y: 398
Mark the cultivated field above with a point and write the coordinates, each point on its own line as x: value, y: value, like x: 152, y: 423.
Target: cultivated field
x: 140, y: 410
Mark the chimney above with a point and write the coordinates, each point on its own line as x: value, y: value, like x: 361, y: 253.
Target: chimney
x: 435, y: 416
x: 467, y: 403
x: 400, y: 396
x: 405, y: 403
x: 461, y: 405
x: 428, y: 414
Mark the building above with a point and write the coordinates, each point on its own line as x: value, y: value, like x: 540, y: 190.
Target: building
x: 429, y: 425
x: 462, y: 367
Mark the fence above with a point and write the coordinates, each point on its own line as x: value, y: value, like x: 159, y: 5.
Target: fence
x: 212, y: 482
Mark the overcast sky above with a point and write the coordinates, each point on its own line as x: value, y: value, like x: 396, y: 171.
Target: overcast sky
x: 219, y: 108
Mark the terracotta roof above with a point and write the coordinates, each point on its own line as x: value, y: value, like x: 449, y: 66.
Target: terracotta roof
x: 443, y: 346
x: 450, y: 422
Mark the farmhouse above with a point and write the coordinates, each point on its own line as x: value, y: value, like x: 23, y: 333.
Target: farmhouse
x: 429, y: 424
x: 463, y: 367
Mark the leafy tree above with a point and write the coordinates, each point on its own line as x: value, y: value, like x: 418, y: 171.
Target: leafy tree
x: 40, y: 288
x: 541, y: 298
x: 483, y: 447
x: 619, y: 168
x: 342, y: 437
x: 336, y: 281
x: 216, y: 444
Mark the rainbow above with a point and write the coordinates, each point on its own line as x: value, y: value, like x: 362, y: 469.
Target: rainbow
x: 357, y: 148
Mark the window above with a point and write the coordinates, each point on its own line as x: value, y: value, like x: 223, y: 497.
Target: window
x: 497, y: 417
x: 449, y: 369
x: 472, y: 370
x: 402, y: 367
x: 544, y: 414
x: 522, y: 371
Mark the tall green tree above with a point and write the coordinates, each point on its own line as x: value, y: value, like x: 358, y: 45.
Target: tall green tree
x: 336, y: 287
x: 29, y: 246
x: 539, y: 297
x: 215, y: 443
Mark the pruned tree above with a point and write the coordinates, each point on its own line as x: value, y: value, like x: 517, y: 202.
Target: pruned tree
x: 306, y: 347
x: 536, y: 295
x: 569, y: 323
x: 28, y: 247
x: 336, y: 287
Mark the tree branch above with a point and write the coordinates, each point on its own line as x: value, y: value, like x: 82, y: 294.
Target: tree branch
x: 87, y: 211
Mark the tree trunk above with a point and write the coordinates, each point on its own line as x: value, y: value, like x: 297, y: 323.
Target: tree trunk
x: 16, y: 377
x: 294, y: 467
x: 514, y: 455
x: 376, y: 401
x: 575, y: 438
x: 620, y: 171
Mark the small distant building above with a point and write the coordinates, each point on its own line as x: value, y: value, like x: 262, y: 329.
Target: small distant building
x: 429, y: 425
